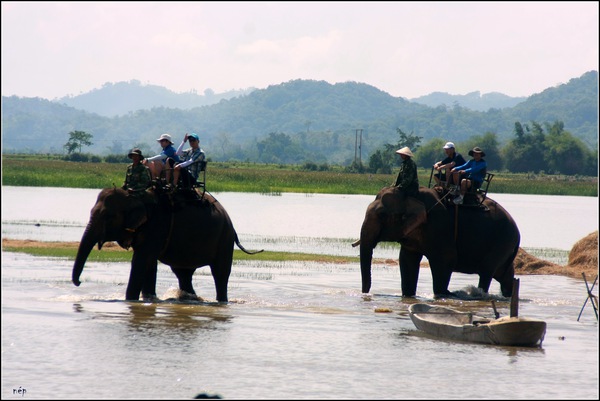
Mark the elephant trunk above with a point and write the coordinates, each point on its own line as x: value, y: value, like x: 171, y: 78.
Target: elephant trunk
x: 86, y: 245
x: 366, y: 257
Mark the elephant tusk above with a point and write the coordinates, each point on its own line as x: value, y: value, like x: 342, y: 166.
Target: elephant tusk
x: 356, y: 243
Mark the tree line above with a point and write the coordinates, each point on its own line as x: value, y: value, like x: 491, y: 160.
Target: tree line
x: 318, y: 118
x: 535, y: 148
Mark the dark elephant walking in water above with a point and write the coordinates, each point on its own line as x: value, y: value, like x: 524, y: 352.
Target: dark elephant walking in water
x: 182, y: 230
x: 476, y: 240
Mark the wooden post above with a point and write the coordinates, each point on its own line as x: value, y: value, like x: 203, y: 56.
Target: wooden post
x: 514, y: 299
x: 496, y: 314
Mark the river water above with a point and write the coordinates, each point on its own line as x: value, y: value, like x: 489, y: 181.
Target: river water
x: 290, y: 330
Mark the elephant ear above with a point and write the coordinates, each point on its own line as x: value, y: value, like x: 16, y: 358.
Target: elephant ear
x: 135, y: 215
x: 393, y: 199
x: 414, y: 216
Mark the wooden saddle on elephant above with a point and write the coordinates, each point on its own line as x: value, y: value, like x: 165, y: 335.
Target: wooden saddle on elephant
x: 474, y: 197
x: 165, y: 183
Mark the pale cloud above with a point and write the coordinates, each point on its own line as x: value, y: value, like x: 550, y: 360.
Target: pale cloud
x: 51, y: 49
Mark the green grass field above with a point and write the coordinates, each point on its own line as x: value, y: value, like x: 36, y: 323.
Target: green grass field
x: 19, y: 170
x: 116, y: 254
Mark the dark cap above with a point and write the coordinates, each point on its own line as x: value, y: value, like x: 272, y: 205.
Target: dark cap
x: 476, y: 149
x: 135, y: 151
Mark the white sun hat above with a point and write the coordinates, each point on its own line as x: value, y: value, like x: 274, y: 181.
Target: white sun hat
x: 449, y: 145
x: 165, y: 136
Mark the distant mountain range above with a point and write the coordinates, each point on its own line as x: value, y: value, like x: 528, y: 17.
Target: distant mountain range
x: 319, y: 120
x: 474, y: 100
x: 116, y: 99
x: 125, y: 97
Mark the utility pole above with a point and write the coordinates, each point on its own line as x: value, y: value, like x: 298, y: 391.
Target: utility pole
x: 356, y: 143
x: 360, y: 149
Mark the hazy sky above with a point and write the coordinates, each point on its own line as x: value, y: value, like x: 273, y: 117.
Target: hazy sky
x: 54, y: 49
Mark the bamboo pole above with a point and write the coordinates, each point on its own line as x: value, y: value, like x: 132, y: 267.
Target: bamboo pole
x: 590, y: 297
x: 514, y: 299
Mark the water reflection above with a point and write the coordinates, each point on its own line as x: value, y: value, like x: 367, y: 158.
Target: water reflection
x: 183, y: 320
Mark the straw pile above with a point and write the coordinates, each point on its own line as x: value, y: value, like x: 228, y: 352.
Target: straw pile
x: 583, y: 258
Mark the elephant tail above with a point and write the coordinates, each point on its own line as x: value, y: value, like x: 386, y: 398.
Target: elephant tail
x: 237, y: 242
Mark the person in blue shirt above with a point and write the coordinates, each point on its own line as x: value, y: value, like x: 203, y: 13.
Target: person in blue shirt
x: 165, y: 160
x: 471, y: 174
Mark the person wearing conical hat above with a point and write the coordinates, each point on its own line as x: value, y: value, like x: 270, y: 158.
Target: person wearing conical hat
x: 138, y: 176
x: 471, y: 174
x: 413, y: 212
x: 407, y: 179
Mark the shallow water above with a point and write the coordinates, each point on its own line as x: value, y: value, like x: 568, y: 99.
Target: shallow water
x: 290, y: 330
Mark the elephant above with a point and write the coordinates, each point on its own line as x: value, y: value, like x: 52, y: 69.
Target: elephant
x: 480, y: 240
x: 184, y: 230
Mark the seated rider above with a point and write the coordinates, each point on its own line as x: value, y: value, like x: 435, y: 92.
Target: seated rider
x: 189, y: 168
x: 413, y: 210
x: 165, y: 160
x: 471, y: 174
x: 407, y: 179
x: 453, y: 159
x: 137, y: 178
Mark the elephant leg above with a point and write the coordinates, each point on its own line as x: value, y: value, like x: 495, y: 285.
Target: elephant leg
x: 441, y: 273
x: 485, y: 280
x: 409, y: 271
x: 220, y: 272
x: 184, y: 276
x: 221, y: 269
x: 505, y: 276
x: 137, y: 276
x: 507, y: 288
x: 149, y: 286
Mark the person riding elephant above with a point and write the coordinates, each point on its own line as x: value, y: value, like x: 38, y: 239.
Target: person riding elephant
x: 471, y: 173
x: 164, y: 161
x: 407, y: 179
x: 484, y: 241
x: 138, y: 177
x: 407, y: 183
x: 185, y: 173
x: 452, y: 159
x: 197, y: 233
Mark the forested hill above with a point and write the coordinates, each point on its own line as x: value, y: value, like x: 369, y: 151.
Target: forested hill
x: 120, y: 98
x: 124, y: 97
x: 472, y: 101
x: 316, y: 119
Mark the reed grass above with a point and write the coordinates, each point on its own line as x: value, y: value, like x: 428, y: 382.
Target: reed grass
x: 115, y: 254
x: 261, y: 178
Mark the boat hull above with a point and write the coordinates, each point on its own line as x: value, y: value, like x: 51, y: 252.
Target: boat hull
x: 450, y: 324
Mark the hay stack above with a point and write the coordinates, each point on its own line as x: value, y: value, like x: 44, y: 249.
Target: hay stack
x: 583, y: 258
x: 526, y: 263
x: 585, y: 252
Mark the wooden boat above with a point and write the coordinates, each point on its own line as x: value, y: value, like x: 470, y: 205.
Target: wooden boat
x: 450, y: 324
